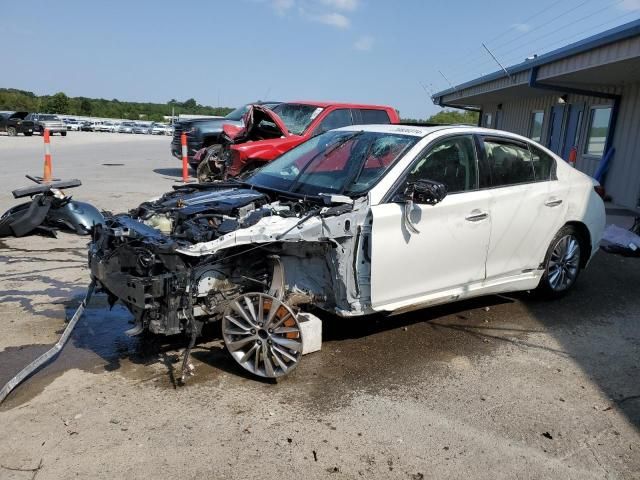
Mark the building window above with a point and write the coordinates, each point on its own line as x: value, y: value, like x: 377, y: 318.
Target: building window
x: 599, y: 120
x: 487, y: 120
x: 535, y: 131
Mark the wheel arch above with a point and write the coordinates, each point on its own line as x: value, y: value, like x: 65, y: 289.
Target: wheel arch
x: 585, y: 243
x: 210, y: 139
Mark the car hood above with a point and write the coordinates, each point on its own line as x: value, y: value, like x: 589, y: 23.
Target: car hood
x: 18, y: 115
x: 254, y: 116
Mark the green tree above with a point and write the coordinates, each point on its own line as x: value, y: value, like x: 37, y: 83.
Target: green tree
x: 446, y: 117
x: 85, y: 107
x: 190, y: 104
x: 58, y: 103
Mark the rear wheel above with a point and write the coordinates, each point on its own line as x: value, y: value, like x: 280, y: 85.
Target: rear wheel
x: 64, y: 134
x: 562, y: 263
x: 28, y: 134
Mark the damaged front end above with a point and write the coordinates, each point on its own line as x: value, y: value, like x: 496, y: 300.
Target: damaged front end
x: 206, y: 253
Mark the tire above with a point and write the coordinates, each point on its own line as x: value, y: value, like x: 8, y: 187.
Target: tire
x: 562, y: 263
x: 64, y: 134
x: 205, y: 171
x: 12, y: 132
x: 28, y: 134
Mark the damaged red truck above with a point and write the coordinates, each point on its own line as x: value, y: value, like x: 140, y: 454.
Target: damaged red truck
x: 269, y: 132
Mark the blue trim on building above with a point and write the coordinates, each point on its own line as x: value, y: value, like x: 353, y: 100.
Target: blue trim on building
x: 621, y: 32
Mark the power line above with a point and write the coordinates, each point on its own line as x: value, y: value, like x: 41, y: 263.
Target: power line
x: 558, y: 41
x: 545, y: 35
x: 547, y: 9
x: 582, y: 34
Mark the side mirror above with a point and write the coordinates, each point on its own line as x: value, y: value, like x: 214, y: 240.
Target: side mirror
x: 423, y: 191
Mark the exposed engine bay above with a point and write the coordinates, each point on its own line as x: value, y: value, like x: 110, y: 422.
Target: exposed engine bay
x: 253, y: 259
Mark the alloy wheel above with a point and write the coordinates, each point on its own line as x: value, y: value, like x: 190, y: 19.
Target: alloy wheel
x: 263, y: 335
x: 564, y: 263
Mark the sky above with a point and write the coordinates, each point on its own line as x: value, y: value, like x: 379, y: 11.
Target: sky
x: 226, y: 53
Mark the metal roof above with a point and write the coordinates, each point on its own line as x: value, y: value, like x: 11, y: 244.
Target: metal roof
x: 618, y: 33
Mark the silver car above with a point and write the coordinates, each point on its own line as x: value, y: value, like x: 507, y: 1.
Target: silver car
x: 48, y: 121
x: 126, y: 127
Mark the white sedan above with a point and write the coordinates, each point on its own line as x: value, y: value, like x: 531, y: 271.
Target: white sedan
x: 358, y: 220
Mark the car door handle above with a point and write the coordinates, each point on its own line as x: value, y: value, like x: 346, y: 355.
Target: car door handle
x: 553, y: 202
x: 476, y: 216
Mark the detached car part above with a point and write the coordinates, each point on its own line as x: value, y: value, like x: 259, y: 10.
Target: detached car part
x: 50, y: 209
x: 52, y: 352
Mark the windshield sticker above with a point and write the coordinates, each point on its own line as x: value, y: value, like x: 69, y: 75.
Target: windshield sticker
x: 316, y: 112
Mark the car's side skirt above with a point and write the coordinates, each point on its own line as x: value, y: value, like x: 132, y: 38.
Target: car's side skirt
x: 524, y: 281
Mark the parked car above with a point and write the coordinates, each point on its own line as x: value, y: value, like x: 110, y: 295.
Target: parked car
x: 203, y: 132
x: 126, y: 127
x: 354, y: 221
x: 105, y: 127
x: 42, y: 121
x: 141, y: 128
x: 160, y: 129
x: 72, y: 124
x: 268, y: 133
x: 15, y: 122
x: 87, y: 126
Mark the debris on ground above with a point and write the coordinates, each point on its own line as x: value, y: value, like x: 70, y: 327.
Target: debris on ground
x: 618, y: 240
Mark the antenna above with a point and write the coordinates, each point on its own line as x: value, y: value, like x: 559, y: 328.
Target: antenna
x: 426, y: 90
x: 496, y: 60
x: 450, y: 84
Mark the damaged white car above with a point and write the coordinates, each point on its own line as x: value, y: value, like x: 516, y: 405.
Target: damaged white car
x: 363, y: 219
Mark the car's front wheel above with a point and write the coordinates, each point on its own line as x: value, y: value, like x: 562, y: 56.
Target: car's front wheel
x: 11, y: 131
x: 562, y: 263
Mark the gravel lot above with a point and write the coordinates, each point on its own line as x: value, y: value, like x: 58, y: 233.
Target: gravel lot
x: 498, y: 387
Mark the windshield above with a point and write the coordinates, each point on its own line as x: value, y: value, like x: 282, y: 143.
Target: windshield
x: 48, y: 117
x: 297, y: 117
x: 342, y: 162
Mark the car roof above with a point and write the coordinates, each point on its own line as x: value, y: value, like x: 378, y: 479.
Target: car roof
x: 420, y: 131
x: 315, y: 103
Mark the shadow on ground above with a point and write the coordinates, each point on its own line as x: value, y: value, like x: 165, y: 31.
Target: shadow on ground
x: 171, y: 172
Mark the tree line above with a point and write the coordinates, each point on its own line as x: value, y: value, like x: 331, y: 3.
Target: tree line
x: 60, y: 103
x: 446, y: 117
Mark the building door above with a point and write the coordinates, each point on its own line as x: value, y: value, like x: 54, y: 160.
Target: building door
x: 498, y: 119
x: 554, y: 142
x: 574, y: 124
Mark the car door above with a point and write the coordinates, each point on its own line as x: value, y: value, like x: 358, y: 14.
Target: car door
x: 526, y: 211
x: 449, y: 249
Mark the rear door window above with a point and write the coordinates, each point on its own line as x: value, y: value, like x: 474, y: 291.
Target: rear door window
x: 369, y: 116
x: 544, y: 165
x: 509, y: 162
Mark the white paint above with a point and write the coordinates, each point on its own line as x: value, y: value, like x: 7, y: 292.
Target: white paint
x: 311, y: 328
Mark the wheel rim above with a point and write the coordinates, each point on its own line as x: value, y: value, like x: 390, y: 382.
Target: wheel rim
x: 564, y: 263
x: 263, y: 335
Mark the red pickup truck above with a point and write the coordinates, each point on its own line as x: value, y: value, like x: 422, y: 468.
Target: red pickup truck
x: 268, y: 133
